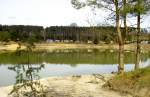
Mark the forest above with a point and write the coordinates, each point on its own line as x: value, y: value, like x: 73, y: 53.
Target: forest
x: 96, y: 34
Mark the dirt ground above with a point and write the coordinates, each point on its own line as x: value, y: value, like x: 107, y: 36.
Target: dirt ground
x: 74, y: 86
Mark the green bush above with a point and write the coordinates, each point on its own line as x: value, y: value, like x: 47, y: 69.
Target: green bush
x: 4, y: 36
x: 96, y: 41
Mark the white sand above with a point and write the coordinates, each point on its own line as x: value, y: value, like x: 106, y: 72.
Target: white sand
x: 73, y: 86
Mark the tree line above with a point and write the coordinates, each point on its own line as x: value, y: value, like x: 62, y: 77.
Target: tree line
x: 95, y: 34
x: 20, y: 33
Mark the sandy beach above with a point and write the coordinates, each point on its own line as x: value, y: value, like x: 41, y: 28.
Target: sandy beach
x: 73, y: 86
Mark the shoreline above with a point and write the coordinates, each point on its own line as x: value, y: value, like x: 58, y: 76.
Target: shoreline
x: 74, y: 86
x: 60, y: 46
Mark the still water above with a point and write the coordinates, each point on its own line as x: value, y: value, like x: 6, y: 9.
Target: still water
x: 17, y: 65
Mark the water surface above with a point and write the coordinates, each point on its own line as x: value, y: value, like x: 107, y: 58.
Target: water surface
x: 17, y: 65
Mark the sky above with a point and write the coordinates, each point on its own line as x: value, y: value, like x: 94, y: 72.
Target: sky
x: 50, y: 13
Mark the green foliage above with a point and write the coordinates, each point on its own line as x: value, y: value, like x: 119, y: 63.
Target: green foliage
x: 138, y: 6
x: 133, y: 82
x: 31, y: 39
x: 22, y: 32
x: 76, y: 4
x: 4, y: 36
x: 32, y: 34
x: 82, y: 34
x: 25, y: 85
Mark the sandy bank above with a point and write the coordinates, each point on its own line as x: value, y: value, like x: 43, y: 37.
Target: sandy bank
x: 53, y: 46
x: 73, y: 86
x: 10, y: 47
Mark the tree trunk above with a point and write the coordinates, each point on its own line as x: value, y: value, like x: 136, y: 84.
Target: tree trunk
x: 121, y: 44
x: 44, y: 35
x: 125, y: 19
x: 138, y: 49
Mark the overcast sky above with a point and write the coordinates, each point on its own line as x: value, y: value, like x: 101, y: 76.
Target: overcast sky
x: 49, y: 13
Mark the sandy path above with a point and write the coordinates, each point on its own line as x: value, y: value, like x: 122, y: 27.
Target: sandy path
x: 73, y: 86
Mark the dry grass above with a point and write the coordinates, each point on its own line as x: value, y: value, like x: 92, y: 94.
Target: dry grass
x: 136, y: 83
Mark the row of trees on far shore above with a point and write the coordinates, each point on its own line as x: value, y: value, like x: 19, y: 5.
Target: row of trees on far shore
x: 106, y: 34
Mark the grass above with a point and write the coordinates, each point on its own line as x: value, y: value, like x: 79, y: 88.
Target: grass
x: 136, y: 83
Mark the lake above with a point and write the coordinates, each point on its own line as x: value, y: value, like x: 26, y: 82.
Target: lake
x: 23, y: 64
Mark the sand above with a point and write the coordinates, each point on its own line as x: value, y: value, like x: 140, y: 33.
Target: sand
x: 53, y: 46
x: 74, y: 86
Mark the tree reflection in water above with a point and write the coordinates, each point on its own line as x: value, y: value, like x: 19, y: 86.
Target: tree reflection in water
x: 27, y: 80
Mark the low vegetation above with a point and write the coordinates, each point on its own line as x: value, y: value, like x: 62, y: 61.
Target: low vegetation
x: 136, y: 83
